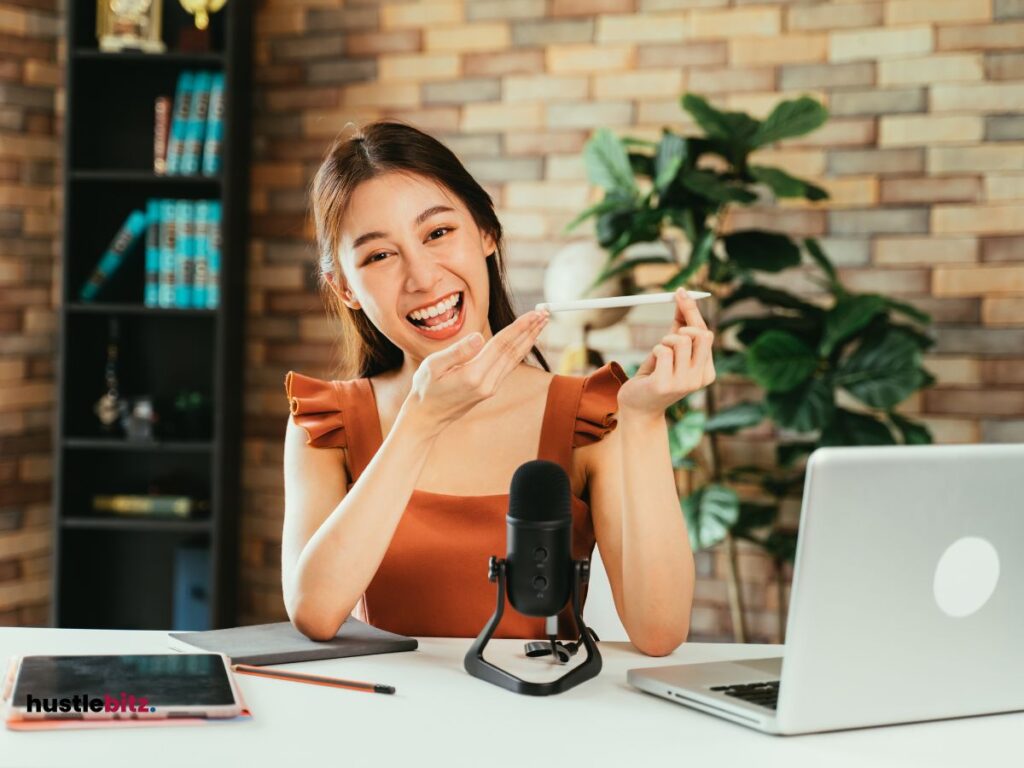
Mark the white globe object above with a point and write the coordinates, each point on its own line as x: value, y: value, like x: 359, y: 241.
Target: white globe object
x: 567, y: 276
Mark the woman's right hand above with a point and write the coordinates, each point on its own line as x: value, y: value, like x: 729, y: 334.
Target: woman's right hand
x: 450, y: 382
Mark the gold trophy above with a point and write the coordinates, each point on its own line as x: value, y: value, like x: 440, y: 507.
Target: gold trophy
x: 129, y: 24
x: 202, y: 9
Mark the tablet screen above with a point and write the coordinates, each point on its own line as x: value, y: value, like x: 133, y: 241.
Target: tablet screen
x: 164, y: 680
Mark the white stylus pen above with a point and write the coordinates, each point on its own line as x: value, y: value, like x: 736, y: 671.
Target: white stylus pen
x: 617, y: 301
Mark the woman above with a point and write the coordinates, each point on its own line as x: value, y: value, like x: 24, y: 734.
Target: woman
x: 435, y: 408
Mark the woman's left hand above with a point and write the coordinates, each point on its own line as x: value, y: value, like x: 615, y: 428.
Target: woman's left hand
x: 680, y: 364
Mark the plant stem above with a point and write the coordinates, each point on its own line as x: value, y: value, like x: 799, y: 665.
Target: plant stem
x: 739, y: 629
x: 781, y: 594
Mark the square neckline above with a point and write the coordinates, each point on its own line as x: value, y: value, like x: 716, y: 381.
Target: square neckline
x: 544, y: 416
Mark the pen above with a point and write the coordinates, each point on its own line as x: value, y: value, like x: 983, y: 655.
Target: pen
x: 617, y: 301
x: 299, y: 677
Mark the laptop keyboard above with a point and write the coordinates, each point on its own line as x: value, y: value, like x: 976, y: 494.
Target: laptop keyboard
x: 763, y: 694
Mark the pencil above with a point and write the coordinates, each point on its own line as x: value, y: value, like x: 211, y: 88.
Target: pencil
x: 617, y: 301
x: 299, y: 677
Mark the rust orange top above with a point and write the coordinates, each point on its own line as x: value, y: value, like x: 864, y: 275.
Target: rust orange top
x: 432, y: 581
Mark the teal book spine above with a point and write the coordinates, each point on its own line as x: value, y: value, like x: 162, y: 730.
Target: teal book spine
x: 202, y: 262
x: 213, y: 282
x: 179, y: 121
x: 184, y: 254
x: 152, y: 253
x: 130, y: 232
x: 168, y: 245
x: 212, y: 146
x: 195, y: 128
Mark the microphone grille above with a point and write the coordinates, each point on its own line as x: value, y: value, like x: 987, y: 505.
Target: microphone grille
x: 540, y: 490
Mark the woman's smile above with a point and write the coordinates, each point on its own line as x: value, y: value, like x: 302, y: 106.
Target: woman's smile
x: 440, y: 320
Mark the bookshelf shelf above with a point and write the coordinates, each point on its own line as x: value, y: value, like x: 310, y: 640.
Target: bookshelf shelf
x: 147, y: 524
x: 144, y: 571
x: 110, y: 308
x: 119, y: 444
x: 185, y: 58
x: 129, y: 176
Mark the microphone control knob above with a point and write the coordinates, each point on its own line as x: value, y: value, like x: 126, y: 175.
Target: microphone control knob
x: 539, y: 582
x: 540, y: 554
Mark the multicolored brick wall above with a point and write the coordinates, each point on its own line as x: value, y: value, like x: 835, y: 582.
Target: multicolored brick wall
x: 29, y: 289
x: 923, y: 157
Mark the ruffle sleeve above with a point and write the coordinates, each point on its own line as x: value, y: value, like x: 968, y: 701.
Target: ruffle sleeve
x: 315, y: 407
x: 595, y: 417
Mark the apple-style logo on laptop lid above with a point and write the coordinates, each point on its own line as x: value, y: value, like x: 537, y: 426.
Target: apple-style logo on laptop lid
x: 966, y: 576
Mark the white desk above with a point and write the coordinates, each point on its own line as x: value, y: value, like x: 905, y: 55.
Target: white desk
x: 442, y: 716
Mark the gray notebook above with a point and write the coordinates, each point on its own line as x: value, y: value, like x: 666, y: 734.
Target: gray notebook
x: 281, y: 643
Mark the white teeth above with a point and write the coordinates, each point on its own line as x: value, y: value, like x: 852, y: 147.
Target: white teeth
x: 446, y: 323
x: 434, y: 311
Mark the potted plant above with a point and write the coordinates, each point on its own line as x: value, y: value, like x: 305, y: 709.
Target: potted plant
x: 829, y: 369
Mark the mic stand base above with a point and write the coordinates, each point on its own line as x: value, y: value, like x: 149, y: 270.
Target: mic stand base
x: 478, y: 666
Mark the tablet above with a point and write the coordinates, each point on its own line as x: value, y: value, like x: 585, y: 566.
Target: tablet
x: 108, y: 686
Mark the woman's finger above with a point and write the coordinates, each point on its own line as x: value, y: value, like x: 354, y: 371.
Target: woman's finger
x: 663, y: 367
x: 687, y: 313
x: 682, y: 345
x: 504, y: 342
x: 507, y: 363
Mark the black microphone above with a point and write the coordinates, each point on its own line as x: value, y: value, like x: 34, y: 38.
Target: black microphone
x: 539, y: 539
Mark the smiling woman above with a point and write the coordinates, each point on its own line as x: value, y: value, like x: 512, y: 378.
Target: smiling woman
x: 434, y: 409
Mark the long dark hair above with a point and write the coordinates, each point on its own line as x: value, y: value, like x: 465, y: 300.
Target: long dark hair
x: 373, y: 150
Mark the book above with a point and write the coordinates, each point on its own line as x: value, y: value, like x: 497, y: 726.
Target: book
x: 195, y: 127
x: 282, y: 643
x: 179, y: 121
x: 214, y: 127
x: 152, y: 278
x: 184, y: 253
x: 191, y: 596
x: 148, y: 505
x: 168, y: 245
x: 161, y: 129
x: 201, y: 272
x: 213, y: 255
x: 127, y: 236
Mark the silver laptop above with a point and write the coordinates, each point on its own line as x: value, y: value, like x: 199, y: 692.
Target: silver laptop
x: 907, y: 600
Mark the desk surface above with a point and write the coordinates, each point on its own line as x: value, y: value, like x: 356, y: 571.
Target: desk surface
x: 442, y: 714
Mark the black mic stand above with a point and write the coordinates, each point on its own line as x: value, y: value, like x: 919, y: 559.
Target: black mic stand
x: 478, y: 666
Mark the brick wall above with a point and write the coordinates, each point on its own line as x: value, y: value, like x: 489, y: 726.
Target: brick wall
x: 29, y: 75
x: 923, y: 157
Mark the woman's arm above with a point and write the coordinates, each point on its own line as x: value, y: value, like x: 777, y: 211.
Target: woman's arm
x: 641, y: 532
x: 333, y: 541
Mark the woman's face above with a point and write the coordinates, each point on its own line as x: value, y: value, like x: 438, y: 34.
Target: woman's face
x: 414, y: 261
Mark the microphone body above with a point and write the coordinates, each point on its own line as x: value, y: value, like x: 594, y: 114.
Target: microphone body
x: 539, y: 536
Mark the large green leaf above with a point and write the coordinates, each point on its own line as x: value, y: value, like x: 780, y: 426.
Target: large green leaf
x: 698, y: 258
x: 818, y: 254
x: 710, y: 512
x: 794, y: 117
x: 735, y: 128
x: 727, y: 361
x: 710, y: 185
x: 805, y: 408
x: 779, y: 361
x: 849, y: 428
x: 668, y: 159
x: 607, y: 162
x: 771, y: 296
x: 736, y: 417
x: 784, y: 185
x: 908, y: 310
x: 757, y: 249
x: 685, y: 434
x: 611, y: 202
x: 851, y: 314
x: 883, y: 371
x: 912, y: 432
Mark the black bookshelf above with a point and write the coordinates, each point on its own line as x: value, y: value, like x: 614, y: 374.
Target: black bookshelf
x: 115, y: 571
